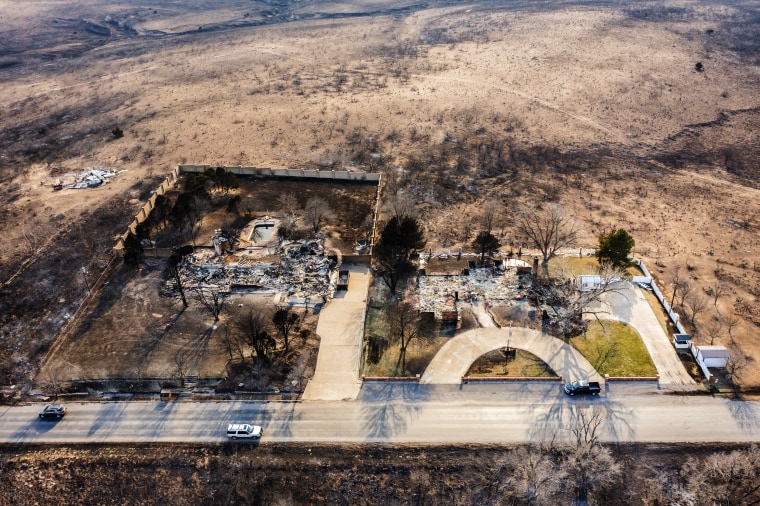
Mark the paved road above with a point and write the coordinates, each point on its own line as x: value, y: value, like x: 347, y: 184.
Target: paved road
x: 340, y: 328
x: 403, y: 413
x: 456, y: 356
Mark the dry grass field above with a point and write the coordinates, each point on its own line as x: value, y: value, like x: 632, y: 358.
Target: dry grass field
x: 597, y: 106
x: 365, y: 474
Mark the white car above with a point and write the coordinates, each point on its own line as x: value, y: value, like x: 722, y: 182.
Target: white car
x: 243, y: 430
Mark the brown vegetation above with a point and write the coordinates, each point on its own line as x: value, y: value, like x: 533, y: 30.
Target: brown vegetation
x: 601, y: 110
x: 369, y: 474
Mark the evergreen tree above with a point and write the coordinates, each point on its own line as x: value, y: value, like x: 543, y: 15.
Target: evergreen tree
x: 615, y: 247
x: 400, y: 240
x: 485, y: 242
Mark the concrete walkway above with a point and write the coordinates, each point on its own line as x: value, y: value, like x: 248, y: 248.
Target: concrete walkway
x: 481, y: 314
x: 630, y: 306
x: 340, y: 328
x: 456, y: 356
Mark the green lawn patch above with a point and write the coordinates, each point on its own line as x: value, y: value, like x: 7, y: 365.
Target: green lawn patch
x: 615, y: 348
x: 577, y: 266
x: 573, y: 266
x: 524, y: 365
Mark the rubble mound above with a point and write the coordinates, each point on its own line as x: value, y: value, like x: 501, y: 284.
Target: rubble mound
x: 304, y: 270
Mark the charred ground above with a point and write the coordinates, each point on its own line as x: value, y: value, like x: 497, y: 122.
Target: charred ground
x: 301, y: 474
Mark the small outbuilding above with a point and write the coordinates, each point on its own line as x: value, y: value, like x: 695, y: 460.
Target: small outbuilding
x: 682, y: 341
x: 712, y: 356
x: 708, y: 357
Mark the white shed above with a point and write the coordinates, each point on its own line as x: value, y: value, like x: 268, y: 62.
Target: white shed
x: 712, y: 356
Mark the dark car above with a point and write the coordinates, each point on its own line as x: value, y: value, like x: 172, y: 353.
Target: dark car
x: 583, y: 387
x: 53, y: 412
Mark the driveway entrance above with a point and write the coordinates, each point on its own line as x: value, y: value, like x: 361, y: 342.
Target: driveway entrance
x: 340, y: 328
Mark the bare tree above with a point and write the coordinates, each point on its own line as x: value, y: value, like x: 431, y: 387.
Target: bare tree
x: 212, y: 298
x: 713, y: 329
x: 175, y: 285
x: 684, y: 290
x: 181, y: 367
x: 404, y: 322
x: 696, y: 303
x: 589, y: 464
x: 567, y: 304
x: 676, y: 279
x: 737, y: 362
x: 316, y: 211
x: 729, y: 478
x: 400, y: 205
x: 717, y: 290
x: 285, y: 320
x: 290, y: 204
x: 586, y: 425
x: 549, y: 230
x: 489, y: 215
x: 536, y: 478
x: 233, y: 344
x: 368, y: 225
x: 254, y: 327
x: 53, y: 381
x: 730, y: 320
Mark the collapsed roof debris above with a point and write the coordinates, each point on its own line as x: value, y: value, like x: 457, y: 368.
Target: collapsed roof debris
x: 303, y: 271
x: 89, y: 177
x: 501, y: 283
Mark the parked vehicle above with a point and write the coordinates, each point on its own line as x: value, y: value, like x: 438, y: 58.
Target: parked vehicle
x: 53, y: 412
x: 582, y: 387
x: 243, y: 430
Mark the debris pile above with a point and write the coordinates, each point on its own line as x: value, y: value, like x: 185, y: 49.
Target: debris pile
x: 89, y: 177
x: 303, y: 271
x: 493, y: 284
x: 362, y: 247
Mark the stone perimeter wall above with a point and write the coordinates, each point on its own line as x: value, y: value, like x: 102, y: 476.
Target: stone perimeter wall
x: 342, y: 175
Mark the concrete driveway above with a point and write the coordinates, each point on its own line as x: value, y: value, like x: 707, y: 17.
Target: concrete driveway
x: 629, y: 305
x: 456, y: 356
x: 340, y: 328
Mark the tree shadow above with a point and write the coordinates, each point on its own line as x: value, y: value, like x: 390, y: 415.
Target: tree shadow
x: 564, y: 413
x: 107, y: 419
x: 143, y: 352
x: 195, y: 351
x: 745, y: 414
x: 288, y: 416
x: 389, y: 407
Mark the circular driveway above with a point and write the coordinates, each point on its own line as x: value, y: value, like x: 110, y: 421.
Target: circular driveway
x: 454, y: 359
x: 628, y: 304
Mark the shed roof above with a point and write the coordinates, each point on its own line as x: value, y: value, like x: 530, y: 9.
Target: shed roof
x: 713, y: 351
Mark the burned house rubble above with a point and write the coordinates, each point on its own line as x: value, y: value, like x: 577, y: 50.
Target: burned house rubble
x: 304, y: 271
x: 503, y: 282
